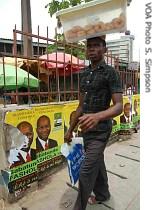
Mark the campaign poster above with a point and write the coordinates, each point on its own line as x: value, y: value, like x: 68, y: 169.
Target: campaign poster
x: 21, y: 153
x: 22, y: 176
x: 34, y: 139
x: 49, y: 137
x: 69, y: 113
x: 115, y: 124
x: 136, y: 110
x: 126, y: 117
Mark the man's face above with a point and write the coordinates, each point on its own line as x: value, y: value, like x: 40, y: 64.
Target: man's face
x: 127, y: 110
x: 43, y: 129
x: 95, y: 50
x: 27, y: 131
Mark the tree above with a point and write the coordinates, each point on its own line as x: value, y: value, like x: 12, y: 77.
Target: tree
x: 56, y: 5
x: 53, y: 7
x: 78, y: 50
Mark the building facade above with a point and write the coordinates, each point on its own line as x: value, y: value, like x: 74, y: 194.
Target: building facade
x: 6, y: 46
x: 122, y: 48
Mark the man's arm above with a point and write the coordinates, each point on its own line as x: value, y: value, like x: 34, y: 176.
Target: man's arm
x: 89, y: 121
x: 75, y: 120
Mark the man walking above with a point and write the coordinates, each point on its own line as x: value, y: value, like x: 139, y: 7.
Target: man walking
x: 99, y: 83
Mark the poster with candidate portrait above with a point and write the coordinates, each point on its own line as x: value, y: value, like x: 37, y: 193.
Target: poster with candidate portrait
x: 126, y: 116
x: 21, y: 155
x: 136, y: 110
x: 34, y: 138
x: 69, y: 113
x: 115, y: 123
x: 49, y: 137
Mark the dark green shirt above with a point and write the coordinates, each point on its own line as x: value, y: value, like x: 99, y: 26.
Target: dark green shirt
x: 97, y: 86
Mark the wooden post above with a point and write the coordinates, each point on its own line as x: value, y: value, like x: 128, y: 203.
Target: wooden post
x: 26, y: 27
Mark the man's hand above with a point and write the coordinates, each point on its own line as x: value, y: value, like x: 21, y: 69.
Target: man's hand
x: 88, y: 121
x: 68, y: 136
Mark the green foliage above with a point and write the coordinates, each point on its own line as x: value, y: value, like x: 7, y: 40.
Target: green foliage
x: 79, y: 53
x: 52, y: 48
x: 55, y: 6
x: 76, y: 51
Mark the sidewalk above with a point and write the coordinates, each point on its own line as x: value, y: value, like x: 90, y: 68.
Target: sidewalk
x: 122, y: 162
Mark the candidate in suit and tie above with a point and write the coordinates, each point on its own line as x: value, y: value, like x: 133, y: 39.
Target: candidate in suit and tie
x: 25, y: 153
x: 43, y: 130
x: 126, y: 117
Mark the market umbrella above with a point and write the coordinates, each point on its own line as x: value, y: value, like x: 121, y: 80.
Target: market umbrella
x: 68, y: 62
x: 10, y: 78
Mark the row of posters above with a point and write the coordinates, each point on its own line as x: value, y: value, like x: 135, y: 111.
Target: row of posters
x: 130, y: 117
x: 34, y: 137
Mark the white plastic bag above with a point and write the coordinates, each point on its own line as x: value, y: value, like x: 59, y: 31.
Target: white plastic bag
x: 74, y: 154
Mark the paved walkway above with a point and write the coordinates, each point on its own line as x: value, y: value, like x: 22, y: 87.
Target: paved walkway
x: 122, y: 161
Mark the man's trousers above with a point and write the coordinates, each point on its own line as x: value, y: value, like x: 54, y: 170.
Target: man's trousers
x: 93, y: 175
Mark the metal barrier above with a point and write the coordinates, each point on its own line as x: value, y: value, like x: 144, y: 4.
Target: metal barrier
x: 56, y: 84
